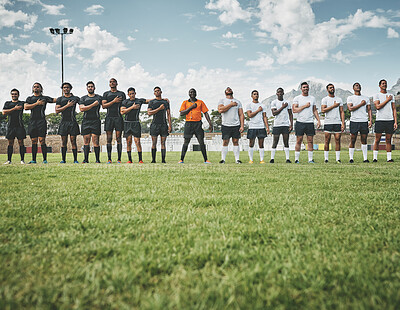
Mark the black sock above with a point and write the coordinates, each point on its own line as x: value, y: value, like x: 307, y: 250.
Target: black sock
x: 153, y: 155
x: 44, y: 151
x: 34, y: 152
x: 119, y: 150
x: 129, y: 155
x: 140, y: 156
x: 63, y: 153
x: 10, y: 150
x: 163, y: 153
x: 97, y: 153
x: 86, y: 150
x: 109, y: 149
x: 203, y: 151
x: 184, y: 150
x: 75, y: 152
x: 22, y: 152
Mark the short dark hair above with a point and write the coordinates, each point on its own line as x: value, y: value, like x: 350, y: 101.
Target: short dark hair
x: 37, y: 83
x: 114, y: 80
x: 14, y: 89
x: 279, y: 89
x: 330, y: 84
x: 157, y: 87
x: 131, y: 89
x: 380, y: 82
x: 66, y: 83
x: 255, y: 91
x: 304, y: 83
x: 356, y: 83
x: 90, y: 82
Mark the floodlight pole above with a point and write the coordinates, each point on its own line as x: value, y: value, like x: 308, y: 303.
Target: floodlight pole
x: 61, y: 32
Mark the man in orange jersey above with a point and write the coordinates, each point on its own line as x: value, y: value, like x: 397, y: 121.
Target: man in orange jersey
x: 193, y: 108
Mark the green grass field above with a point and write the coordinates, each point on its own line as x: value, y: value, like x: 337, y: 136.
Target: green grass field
x: 195, y: 236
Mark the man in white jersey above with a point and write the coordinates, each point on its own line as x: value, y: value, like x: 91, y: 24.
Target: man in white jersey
x: 283, y: 123
x: 360, y: 109
x: 258, y: 122
x: 232, y: 124
x: 304, y: 105
x: 386, y: 120
x: 332, y: 106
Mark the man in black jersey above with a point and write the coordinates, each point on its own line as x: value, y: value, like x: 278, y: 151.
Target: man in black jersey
x: 112, y: 100
x: 15, y: 127
x: 66, y: 105
x: 131, y: 109
x: 159, y: 108
x: 90, y: 105
x: 37, y: 127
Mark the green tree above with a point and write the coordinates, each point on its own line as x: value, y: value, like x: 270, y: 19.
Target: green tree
x: 216, y: 120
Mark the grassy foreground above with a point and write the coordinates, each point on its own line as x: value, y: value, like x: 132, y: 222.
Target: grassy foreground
x: 198, y: 236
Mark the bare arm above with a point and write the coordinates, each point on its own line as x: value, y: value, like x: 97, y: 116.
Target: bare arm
x: 184, y: 112
x: 369, y: 116
x: 106, y: 104
x: 265, y: 119
x: 84, y: 108
x: 315, y: 111
x: 325, y: 108
x: 252, y: 114
x: 125, y: 110
x: 276, y: 112
x: 209, y: 121
x: 356, y: 107
x: 60, y: 108
x: 225, y: 108
x: 394, y: 115
x: 297, y: 109
x: 169, y: 120
x: 291, y: 119
x: 30, y: 106
x: 155, y: 111
x: 241, y: 118
x: 9, y: 111
x: 341, y: 110
x: 379, y: 105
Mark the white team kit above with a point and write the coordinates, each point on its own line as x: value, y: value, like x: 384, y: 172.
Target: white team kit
x: 257, y: 121
x: 386, y: 113
x: 360, y: 115
x: 282, y: 119
x: 306, y: 115
x: 332, y: 117
x: 231, y: 117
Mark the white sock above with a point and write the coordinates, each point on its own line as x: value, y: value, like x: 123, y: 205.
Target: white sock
x: 224, y: 152
x: 337, y: 155
x: 389, y: 155
x: 364, y: 149
x: 251, y: 151
x: 310, y: 155
x: 286, y: 149
x: 351, y: 152
x: 261, y: 154
x: 273, y: 153
x: 296, y: 155
x: 375, y: 154
x: 236, y: 152
x: 326, y: 155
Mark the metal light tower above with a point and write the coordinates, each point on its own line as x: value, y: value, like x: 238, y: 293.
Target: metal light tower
x: 57, y: 31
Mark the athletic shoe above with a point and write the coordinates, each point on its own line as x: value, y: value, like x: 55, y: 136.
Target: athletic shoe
x: 97, y: 162
x: 338, y: 161
x: 163, y: 162
x: 85, y: 162
x: 326, y: 161
x: 272, y: 161
x: 366, y: 161
x: 296, y: 162
x: 141, y: 162
x: 153, y: 161
x: 222, y: 161
x: 288, y: 161
x: 22, y: 162
x: 180, y: 162
x: 238, y: 161
x: 311, y: 162
x: 251, y: 162
x: 45, y: 162
x: 109, y: 162
x: 351, y: 161
x: 118, y: 161
x: 375, y: 161
x: 76, y: 162
x: 7, y: 162
x: 129, y: 162
x: 390, y: 161
x: 32, y: 162
x: 207, y: 162
x: 262, y: 162
x: 62, y: 162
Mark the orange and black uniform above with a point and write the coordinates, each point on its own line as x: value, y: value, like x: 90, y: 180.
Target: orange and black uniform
x: 193, y: 125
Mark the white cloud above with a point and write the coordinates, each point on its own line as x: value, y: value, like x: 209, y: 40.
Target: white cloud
x: 231, y: 11
x: 39, y: 48
x: 95, y: 9
x: 208, y: 28
x: 12, y: 18
x: 339, y: 57
x: 260, y: 34
x: 162, y: 40
x: 24, y: 36
x: 230, y: 35
x: 392, y: 34
x: 64, y: 22
x: 223, y: 44
x: 10, y: 39
x: 131, y: 38
x: 52, y: 9
x: 264, y: 62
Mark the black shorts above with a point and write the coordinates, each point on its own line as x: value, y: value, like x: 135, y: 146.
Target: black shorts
x: 193, y: 128
x: 159, y: 130
x: 304, y: 128
x: 132, y: 129
x: 280, y: 130
x: 333, y: 128
x: 361, y: 127
x: 37, y: 128
x: 384, y: 127
x: 112, y: 123
x: 16, y: 132
x: 68, y: 128
x: 230, y: 132
x: 91, y: 127
x: 256, y: 133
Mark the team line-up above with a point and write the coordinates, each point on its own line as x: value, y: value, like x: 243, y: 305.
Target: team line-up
x: 231, y: 109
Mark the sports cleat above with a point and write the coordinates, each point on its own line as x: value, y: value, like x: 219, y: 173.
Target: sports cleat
x: 45, y: 162
x: 61, y: 162
x: 141, y: 162
x: 238, y: 161
x: 97, y: 162
x: 153, y: 162
x: 7, y: 162
x: 375, y: 161
x: 222, y: 161
x: 366, y: 161
x: 32, y: 162
x: 109, y: 161
x: 326, y: 161
x: 163, y: 162
x: 272, y: 161
x: 311, y: 162
x: 251, y: 162
x: 22, y: 162
x: 180, y: 162
x: 288, y: 161
x: 118, y: 161
x: 338, y: 161
x: 76, y: 162
x: 129, y: 162
x: 351, y: 161
x: 390, y: 161
x: 207, y: 162
x: 296, y: 162
x: 85, y: 162
x: 262, y: 162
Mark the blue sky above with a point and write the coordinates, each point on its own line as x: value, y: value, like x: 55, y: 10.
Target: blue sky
x: 208, y: 45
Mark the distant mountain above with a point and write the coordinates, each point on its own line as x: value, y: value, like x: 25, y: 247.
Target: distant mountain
x: 396, y: 88
x: 318, y: 90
